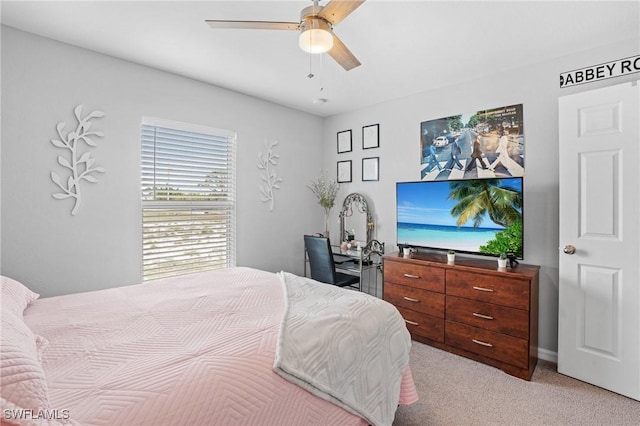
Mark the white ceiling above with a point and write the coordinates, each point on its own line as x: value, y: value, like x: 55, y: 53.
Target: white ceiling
x: 405, y: 47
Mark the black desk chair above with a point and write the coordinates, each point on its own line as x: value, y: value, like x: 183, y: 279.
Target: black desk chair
x: 322, y: 265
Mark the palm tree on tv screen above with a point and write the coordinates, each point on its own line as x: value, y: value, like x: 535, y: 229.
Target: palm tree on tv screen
x: 477, y: 197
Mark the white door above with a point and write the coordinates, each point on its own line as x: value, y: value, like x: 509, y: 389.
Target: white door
x: 599, y: 300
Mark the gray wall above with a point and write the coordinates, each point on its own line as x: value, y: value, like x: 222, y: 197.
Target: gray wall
x: 56, y: 253
x: 537, y: 88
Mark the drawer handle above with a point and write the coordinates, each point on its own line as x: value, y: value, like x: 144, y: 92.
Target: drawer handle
x: 475, y: 314
x: 411, y: 322
x: 415, y: 277
x: 480, y: 342
x: 483, y: 289
x: 411, y: 299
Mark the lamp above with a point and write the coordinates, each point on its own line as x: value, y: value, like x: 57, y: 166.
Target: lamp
x: 316, y: 36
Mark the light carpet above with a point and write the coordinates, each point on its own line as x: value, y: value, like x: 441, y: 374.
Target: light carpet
x: 457, y: 391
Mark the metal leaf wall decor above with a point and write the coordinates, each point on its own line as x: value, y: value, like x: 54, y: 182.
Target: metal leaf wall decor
x: 80, y: 166
x: 270, y: 180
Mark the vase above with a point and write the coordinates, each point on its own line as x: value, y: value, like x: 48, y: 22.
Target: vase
x: 325, y: 232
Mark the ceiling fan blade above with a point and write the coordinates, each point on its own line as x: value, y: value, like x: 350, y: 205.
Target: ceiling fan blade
x: 336, y: 10
x: 342, y: 55
x: 253, y: 25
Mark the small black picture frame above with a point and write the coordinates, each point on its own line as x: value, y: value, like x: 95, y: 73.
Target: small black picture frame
x: 371, y: 136
x: 344, y: 141
x: 344, y: 171
x: 370, y: 169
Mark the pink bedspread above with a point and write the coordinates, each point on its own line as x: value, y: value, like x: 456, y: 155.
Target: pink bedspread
x: 197, y: 350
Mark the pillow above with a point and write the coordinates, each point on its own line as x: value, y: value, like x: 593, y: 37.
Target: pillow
x: 15, y: 296
x: 24, y: 386
x: 23, y: 381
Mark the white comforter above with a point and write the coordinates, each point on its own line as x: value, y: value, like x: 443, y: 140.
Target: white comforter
x: 347, y: 347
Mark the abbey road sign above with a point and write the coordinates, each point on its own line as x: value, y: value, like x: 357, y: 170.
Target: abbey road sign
x: 598, y: 72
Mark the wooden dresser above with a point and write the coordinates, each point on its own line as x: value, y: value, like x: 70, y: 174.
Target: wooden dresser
x: 469, y: 308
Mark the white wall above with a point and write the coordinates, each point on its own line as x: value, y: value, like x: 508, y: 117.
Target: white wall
x: 537, y: 88
x: 56, y: 253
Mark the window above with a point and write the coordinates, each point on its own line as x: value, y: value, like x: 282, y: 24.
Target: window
x: 188, y: 198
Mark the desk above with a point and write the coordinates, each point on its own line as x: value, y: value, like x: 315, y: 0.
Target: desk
x: 365, y: 263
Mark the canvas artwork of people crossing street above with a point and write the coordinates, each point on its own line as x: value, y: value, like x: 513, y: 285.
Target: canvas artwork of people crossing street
x: 483, y: 144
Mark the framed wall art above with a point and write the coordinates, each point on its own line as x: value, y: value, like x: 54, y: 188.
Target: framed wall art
x: 344, y: 171
x: 371, y: 136
x: 344, y: 141
x: 485, y: 144
x: 370, y: 169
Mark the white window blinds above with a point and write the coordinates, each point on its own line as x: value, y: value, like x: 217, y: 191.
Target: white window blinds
x: 188, y: 198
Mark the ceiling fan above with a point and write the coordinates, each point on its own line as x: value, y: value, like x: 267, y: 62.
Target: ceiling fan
x: 315, y: 26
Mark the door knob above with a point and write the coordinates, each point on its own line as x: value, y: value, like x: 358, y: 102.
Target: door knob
x: 569, y: 249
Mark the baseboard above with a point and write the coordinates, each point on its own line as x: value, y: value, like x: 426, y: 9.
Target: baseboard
x: 547, y: 355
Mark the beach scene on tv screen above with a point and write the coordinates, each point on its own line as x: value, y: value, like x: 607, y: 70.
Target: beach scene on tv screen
x: 479, y: 216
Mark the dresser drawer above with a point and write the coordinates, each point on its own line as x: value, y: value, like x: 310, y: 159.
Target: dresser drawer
x: 423, y: 325
x: 412, y: 275
x: 511, y: 350
x: 468, y: 308
x: 489, y: 288
x: 498, y: 318
x: 416, y: 299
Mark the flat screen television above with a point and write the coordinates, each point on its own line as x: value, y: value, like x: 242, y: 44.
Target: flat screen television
x: 477, y: 216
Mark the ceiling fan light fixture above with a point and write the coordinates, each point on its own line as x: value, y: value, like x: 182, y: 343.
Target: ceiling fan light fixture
x: 316, y: 36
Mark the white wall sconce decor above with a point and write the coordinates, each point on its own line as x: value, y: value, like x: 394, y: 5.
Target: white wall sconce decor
x: 80, y: 165
x: 270, y: 179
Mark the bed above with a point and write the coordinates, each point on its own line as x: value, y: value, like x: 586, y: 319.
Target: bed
x: 237, y: 346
